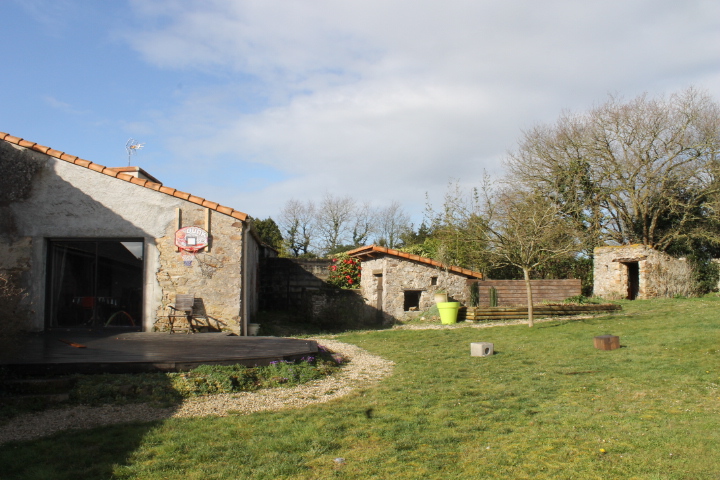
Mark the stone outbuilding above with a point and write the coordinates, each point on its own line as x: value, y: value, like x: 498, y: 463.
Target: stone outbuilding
x: 398, y: 283
x: 636, y: 272
x: 95, y: 247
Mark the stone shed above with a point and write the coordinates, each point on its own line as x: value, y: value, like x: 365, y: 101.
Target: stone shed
x: 635, y: 272
x: 398, y: 283
x: 95, y: 247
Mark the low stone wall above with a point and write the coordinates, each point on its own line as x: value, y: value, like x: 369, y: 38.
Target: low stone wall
x: 285, y: 282
x: 298, y: 286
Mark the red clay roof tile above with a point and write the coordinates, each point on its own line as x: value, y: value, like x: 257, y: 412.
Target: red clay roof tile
x: 121, y: 176
x: 40, y: 148
x: 138, y: 181
x: 55, y: 153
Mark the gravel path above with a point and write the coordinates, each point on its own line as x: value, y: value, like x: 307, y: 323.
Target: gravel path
x: 363, y: 370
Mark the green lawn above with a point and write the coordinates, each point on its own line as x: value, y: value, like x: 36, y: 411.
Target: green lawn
x: 546, y: 405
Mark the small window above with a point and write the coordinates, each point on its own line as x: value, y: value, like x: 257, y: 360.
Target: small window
x: 412, y: 300
x: 433, y: 280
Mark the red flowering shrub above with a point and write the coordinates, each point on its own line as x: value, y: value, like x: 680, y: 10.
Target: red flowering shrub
x: 345, y: 272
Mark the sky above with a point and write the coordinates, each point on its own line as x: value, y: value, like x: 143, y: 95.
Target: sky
x: 251, y: 103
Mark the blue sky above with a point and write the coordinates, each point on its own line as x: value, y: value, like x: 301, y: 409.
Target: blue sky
x: 251, y: 103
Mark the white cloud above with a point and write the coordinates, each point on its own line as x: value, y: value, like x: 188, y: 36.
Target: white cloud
x: 393, y: 98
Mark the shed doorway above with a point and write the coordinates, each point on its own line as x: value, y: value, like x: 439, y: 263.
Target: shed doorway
x: 95, y: 284
x: 633, y: 276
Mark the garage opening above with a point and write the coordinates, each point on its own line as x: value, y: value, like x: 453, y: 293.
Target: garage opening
x: 412, y: 300
x: 95, y: 284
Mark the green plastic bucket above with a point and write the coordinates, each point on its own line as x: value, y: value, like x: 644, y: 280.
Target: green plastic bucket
x: 448, y: 312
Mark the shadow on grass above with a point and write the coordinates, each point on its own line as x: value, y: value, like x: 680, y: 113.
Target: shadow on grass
x: 74, y: 454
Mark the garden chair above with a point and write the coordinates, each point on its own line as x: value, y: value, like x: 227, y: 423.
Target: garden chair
x: 182, y: 308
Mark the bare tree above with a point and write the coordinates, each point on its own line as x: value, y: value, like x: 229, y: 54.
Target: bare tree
x: 334, y: 220
x: 296, y: 221
x: 392, y: 223
x: 458, y: 229
x: 364, y: 223
x: 526, y: 230
x: 643, y: 171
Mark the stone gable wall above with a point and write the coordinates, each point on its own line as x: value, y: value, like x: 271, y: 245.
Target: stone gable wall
x: 400, y: 275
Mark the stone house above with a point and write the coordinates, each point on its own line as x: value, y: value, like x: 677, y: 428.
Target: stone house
x: 635, y: 272
x: 95, y: 247
x: 398, y: 283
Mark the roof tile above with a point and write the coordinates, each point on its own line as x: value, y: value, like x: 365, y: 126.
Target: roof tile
x: 40, y: 148
x: 138, y: 181
x: 82, y: 162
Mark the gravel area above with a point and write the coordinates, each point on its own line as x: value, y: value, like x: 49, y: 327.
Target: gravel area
x: 363, y: 370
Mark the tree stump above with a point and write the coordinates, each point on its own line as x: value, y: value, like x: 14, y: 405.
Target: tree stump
x: 607, y: 342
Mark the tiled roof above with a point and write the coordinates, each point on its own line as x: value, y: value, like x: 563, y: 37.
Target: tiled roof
x: 120, y: 175
x: 373, y: 250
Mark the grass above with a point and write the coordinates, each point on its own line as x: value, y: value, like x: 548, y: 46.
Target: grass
x: 547, y: 405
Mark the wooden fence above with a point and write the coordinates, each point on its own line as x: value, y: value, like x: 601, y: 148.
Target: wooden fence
x: 513, y: 292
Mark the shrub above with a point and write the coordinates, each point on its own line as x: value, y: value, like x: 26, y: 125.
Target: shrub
x: 344, y: 272
x: 166, y: 388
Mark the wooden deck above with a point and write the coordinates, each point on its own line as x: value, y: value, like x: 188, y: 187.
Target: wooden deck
x: 107, y: 352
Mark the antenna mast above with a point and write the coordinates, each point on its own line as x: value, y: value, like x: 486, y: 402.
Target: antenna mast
x: 132, y: 146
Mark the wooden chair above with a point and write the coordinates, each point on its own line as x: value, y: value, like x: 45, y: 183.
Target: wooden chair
x: 182, y: 308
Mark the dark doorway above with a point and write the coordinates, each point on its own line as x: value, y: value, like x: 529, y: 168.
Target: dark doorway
x: 95, y: 284
x: 412, y: 300
x: 633, y: 271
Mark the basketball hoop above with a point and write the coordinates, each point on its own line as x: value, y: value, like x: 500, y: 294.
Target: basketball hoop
x: 189, y: 240
x: 188, y: 255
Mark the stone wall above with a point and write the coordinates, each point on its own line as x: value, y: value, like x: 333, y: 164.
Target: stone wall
x: 400, y: 275
x: 612, y: 274
x: 215, y: 277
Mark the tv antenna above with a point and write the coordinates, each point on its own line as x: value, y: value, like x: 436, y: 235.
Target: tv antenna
x: 132, y: 146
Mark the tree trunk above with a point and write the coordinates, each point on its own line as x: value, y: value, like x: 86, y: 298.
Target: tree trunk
x: 526, y: 274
